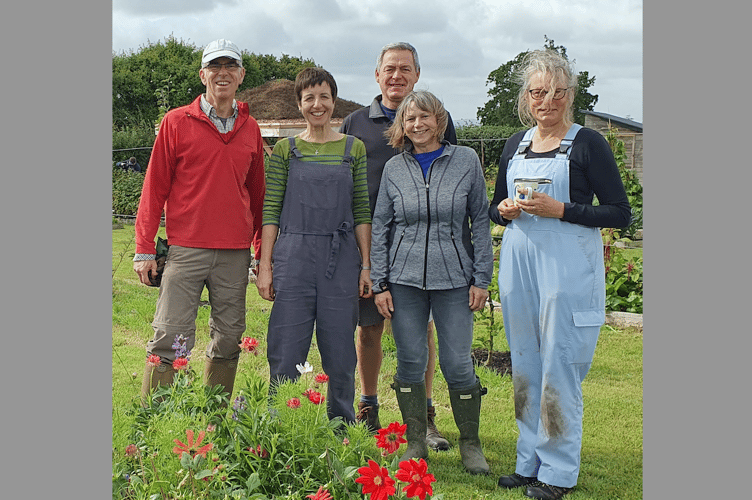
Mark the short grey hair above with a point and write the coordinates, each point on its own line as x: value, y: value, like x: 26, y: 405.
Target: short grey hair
x: 398, y: 46
x: 423, y: 100
x: 549, y: 63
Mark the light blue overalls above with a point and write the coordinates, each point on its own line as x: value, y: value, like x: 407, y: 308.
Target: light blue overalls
x: 552, y: 288
x: 316, y: 271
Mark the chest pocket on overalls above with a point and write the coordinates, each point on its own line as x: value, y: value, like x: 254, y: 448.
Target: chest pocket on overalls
x: 317, y: 193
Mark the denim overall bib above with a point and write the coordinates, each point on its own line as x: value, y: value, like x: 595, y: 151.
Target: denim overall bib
x: 552, y: 289
x: 316, y: 270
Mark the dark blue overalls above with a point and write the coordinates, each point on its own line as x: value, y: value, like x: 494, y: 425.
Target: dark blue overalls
x: 316, y: 271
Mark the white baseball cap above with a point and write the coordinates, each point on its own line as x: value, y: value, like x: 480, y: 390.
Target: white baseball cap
x: 220, y: 48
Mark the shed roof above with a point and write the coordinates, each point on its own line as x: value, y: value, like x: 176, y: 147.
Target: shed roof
x: 617, y: 120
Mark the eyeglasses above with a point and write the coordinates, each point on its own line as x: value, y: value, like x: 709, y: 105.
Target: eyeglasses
x: 540, y: 94
x: 214, y: 67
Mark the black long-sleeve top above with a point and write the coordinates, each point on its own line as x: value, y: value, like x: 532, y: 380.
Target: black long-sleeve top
x: 592, y: 170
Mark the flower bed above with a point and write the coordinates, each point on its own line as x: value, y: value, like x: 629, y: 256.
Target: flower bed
x: 189, y: 441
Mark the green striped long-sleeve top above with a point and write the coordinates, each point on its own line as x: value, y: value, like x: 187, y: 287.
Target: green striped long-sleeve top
x: 329, y: 153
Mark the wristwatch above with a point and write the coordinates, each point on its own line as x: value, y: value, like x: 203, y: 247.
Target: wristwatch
x: 380, y: 287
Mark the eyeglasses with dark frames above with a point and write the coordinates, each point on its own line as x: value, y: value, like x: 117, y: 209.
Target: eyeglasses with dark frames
x: 218, y: 66
x: 540, y: 94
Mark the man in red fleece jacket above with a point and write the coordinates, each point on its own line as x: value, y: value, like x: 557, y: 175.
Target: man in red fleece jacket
x: 206, y: 172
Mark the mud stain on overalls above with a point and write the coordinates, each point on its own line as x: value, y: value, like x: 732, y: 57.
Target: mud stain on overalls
x: 520, y: 396
x: 552, y: 417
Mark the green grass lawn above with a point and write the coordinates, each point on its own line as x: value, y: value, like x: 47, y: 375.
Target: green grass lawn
x: 612, y: 441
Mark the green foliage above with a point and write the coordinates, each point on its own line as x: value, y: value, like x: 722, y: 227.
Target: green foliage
x: 501, y: 109
x: 631, y: 185
x: 157, y: 71
x: 490, y: 317
x: 164, y: 75
x: 260, y: 449
x: 623, y: 275
x: 126, y: 191
x: 488, y: 141
x: 131, y: 137
x: 271, y: 68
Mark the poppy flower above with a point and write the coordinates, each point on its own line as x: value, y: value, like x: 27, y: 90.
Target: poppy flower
x: 249, y: 344
x: 416, y: 475
x: 315, y: 397
x: 180, y: 364
x: 153, y: 360
x: 376, y: 481
x: 391, y: 437
x: 321, y: 378
x: 293, y: 403
x: 322, y: 494
x: 192, y: 446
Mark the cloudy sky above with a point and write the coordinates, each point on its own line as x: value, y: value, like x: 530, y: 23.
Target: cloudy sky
x: 459, y: 42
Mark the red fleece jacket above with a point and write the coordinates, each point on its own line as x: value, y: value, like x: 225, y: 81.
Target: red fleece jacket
x: 211, y: 185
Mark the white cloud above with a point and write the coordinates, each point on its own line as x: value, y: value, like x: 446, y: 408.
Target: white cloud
x: 459, y: 41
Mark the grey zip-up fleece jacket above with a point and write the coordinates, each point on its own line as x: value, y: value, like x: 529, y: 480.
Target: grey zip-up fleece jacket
x: 432, y: 233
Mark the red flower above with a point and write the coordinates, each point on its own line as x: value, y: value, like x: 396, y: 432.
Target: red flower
x: 249, y: 344
x: 390, y: 438
x: 153, y: 360
x: 259, y: 451
x: 180, y: 364
x: 376, y: 481
x: 314, y: 397
x: 293, y: 403
x: 322, y: 494
x: 321, y: 378
x: 192, y: 446
x: 416, y: 475
x: 131, y: 450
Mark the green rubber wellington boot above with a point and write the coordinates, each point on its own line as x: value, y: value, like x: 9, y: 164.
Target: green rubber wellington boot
x: 155, y: 376
x: 221, y: 372
x: 412, y: 403
x: 466, y: 410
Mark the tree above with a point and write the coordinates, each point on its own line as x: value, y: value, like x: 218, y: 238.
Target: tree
x: 501, y: 109
x: 158, y: 75
x: 164, y: 75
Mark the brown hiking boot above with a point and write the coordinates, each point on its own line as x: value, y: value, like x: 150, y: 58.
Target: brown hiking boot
x: 434, y: 439
x: 368, y: 414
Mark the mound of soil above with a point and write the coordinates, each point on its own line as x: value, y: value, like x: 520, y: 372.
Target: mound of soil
x: 275, y: 100
x: 501, y: 362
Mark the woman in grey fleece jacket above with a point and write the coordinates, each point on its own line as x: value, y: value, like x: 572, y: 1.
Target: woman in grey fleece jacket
x: 431, y: 250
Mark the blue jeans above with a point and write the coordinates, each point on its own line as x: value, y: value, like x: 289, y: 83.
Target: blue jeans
x: 454, y: 328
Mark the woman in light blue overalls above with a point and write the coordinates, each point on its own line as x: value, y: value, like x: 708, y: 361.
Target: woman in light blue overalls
x: 551, y: 277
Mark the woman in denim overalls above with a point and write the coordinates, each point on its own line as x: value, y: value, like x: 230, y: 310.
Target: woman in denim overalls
x: 551, y: 273
x: 317, y: 227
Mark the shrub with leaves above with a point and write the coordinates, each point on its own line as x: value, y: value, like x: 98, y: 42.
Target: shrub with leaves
x: 488, y: 142
x: 623, y: 276
x: 631, y: 185
x: 126, y: 191
x: 254, y: 447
